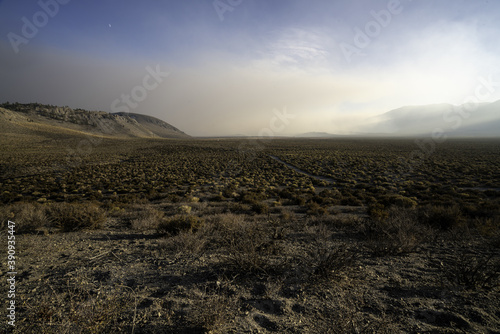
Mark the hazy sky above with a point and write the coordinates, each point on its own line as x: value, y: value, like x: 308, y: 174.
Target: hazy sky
x: 232, y: 64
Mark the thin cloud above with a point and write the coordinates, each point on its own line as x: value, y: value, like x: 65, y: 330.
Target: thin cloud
x: 227, y: 77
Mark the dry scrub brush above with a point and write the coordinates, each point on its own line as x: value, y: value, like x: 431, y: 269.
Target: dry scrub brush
x: 66, y: 217
x: 329, y: 261
x: 179, y: 223
x: 472, y: 271
x: 189, y: 242
x: 81, y: 307
x: 247, y: 246
x: 29, y: 217
x: 73, y: 217
x: 250, y: 247
x: 147, y: 219
x: 343, y: 311
x: 399, y: 233
x: 212, y: 313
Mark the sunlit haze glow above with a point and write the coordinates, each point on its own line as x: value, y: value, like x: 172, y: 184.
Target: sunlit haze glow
x: 334, y: 65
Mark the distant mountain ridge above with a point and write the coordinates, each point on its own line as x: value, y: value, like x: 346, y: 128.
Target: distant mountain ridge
x: 317, y: 135
x: 480, y: 120
x: 122, y: 125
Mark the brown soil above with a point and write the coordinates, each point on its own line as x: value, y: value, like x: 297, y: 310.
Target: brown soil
x: 254, y: 274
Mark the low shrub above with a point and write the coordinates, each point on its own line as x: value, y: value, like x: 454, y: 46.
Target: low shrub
x: 239, y: 208
x: 28, y: 217
x: 286, y: 215
x: 314, y: 209
x: 148, y: 219
x: 441, y: 217
x: 260, y: 208
x: 472, y: 270
x: 213, y: 313
x: 329, y: 262
x: 249, y: 245
x: 179, y: 223
x: 350, y: 201
x: 185, y: 242
x: 74, y: 217
x: 398, y: 200
x: 399, y: 233
x: 251, y: 197
x: 184, y: 209
x: 377, y: 212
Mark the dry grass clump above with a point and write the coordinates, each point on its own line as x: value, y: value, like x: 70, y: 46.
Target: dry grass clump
x: 248, y: 246
x: 495, y: 240
x: 212, y: 314
x: 488, y: 228
x: 179, y: 223
x: 29, y: 217
x: 82, y: 307
x: 343, y: 312
x: 148, y: 219
x: 472, y: 271
x: 75, y: 216
x: 441, y: 217
x: 398, y: 234
x: 185, y: 242
x: 329, y: 261
x: 67, y: 217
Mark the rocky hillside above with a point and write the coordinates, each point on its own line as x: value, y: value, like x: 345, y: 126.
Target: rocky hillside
x: 54, y: 118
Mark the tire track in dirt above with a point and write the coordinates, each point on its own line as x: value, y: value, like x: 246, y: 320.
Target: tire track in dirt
x: 298, y: 170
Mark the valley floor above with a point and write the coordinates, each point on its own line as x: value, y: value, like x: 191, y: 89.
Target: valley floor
x: 200, y: 236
